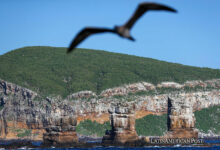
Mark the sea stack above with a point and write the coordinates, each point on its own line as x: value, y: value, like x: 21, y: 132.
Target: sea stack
x: 122, y: 120
x: 180, y: 119
x: 61, y: 131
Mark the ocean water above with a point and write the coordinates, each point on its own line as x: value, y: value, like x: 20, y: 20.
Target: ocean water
x: 214, y: 145
x: 136, y: 148
x: 212, y: 141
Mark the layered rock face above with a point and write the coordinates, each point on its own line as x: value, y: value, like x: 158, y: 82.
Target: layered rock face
x: 96, y: 109
x: 144, y: 86
x: 25, y: 113
x: 61, y: 131
x: 153, y: 102
x: 18, y: 111
x: 123, y: 125
x: 23, y: 116
x: 181, y: 119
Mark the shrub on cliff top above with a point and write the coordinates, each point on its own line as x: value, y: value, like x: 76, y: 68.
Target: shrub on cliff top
x: 151, y: 125
x: 208, y: 119
x: 88, y: 127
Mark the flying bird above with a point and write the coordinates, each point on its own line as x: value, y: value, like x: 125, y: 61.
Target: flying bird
x: 122, y: 31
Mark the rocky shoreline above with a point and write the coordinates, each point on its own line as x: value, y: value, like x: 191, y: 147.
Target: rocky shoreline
x: 25, y: 114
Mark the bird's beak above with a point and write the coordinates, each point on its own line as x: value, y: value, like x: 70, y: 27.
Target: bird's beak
x: 131, y: 38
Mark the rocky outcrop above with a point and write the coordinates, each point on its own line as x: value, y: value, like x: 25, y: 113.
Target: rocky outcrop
x: 170, y: 85
x: 210, y: 134
x: 97, y: 109
x: 61, y: 131
x: 181, y: 120
x: 213, y: 83
x: 115, y: 91
x: 82, y: 94
x: 130, y: 88
x: 24, y: 113
x: 193, y: 84
x: 7, y: 88
x: 123, y: 125
x: 144, y: 86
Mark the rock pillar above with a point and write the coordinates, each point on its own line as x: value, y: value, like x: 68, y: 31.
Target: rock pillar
x: 122, y: 120
x: 61, y: 131
x: 181, y: 119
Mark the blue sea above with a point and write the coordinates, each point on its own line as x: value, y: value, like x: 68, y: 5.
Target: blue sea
x: 214, y: 145
x: 136, y: 148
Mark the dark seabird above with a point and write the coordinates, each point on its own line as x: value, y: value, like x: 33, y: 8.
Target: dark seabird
x: 122, y: 31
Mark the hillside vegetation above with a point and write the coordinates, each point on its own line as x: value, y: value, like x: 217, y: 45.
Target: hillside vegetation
x: 208, y: 119
x: 50, y: 70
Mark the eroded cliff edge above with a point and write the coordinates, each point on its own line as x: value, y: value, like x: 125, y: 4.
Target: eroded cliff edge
x: 26, y: 114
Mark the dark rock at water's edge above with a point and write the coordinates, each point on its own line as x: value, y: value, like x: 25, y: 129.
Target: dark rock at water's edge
x: 13, y: 144
x: 87, y: 139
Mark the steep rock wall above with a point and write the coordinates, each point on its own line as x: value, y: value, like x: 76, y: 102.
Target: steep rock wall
x: 123, y: 125
x: 181, y: 119
x: 24, y: 113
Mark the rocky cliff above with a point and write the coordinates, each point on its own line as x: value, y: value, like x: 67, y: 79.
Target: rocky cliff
x: 25, y: 113
x: 123, y: 125
x: 181, y: 119
x: 61, y: 131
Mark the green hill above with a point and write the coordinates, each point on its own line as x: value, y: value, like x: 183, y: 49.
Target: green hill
x: 50, y: 70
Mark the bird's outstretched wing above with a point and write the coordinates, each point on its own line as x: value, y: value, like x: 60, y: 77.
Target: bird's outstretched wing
x: 142, y: 8
x: 84, y: 33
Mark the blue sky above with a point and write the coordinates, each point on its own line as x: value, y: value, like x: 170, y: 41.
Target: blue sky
x: 191, y: 37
